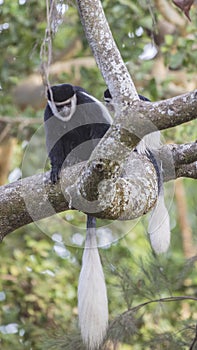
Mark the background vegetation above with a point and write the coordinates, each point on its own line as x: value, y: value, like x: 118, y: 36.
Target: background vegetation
x: 40, y: 263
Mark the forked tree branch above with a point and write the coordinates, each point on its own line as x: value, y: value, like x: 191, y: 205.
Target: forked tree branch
x: 34, y: 198
x: 133, y: 119
x: 105, y: 51
x: 133, y: 122
x: 184, y: 158
x: 30, y: 199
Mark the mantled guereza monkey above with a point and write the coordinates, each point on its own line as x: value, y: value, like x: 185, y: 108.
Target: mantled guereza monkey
x: 75, y: 121
x: 159, y: 223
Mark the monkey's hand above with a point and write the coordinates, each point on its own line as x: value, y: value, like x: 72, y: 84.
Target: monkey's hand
x: 54, y: 175
x: 56, y: 157
x: 56, y: 165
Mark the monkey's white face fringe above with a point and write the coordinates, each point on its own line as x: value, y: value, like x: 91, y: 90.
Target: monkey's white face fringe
x: 67, y: 111
x: 92, y: 295
x: 159, y: 227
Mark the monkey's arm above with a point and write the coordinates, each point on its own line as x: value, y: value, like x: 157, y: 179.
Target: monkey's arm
x: 54, y: 143
x: 56, y: 156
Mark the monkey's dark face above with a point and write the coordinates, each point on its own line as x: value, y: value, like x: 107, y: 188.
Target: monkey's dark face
x: 63, y: 101
x: 108, y: 101
x: 107, y: 96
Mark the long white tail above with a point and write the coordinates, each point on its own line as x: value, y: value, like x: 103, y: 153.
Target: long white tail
x: 159, y: 226
x: 159, y: 222
x: 92, y: 294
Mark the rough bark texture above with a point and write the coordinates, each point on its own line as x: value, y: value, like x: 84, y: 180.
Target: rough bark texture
x: 184, y: 154
x: 184, y: 160
x: 124, y: 197
x: 108, y: 186
x: 127, y: 196
x: 133, y: 119
x: 175, y: 111
x: 132, y: 122
x: 26, y: 201
x: 187, y: 170
x: 105, y: 51
x: 34, y: 198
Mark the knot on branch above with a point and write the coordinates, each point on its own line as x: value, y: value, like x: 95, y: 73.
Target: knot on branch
x: 93, y: 177
x: 107, y: 190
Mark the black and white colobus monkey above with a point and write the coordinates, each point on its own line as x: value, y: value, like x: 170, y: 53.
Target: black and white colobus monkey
x: 159, y: 223
x: 74, y: 123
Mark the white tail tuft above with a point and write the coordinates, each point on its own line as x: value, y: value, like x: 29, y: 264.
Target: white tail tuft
x: 159, y: 227
x: 92, y: 295
x: 150, y: 141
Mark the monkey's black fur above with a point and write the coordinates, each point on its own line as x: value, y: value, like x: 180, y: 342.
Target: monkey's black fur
x: 89, y: 122
x: 74, y: 123
x: 149, y: 153
x: 108, y: 97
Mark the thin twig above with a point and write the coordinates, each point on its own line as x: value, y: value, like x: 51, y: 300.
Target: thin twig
x: 20, y: 120
x: 162, y: 300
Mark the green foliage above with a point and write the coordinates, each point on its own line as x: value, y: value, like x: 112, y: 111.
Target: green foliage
x: 180, y: 52
x: 38, y: 286
x: 38, y: 291
x: 22, y: 31
x: 21, y: 39
x: 125, y: 19
x: 32, y: 276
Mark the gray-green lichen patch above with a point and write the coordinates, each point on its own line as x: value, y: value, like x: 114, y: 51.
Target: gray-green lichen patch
x: 117, y: 193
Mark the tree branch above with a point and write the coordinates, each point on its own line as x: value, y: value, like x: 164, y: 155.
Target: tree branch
x: 10, y: 126
x: 183, y: 158
x: 34, y: 198
x: 175, y: 111
x: 171, y: 14
x: 133, y: 122
x: 105, y: 51
x: 184, y: 153
x: 115, y: 183
x: 127, y: 197
x: 141, y: 118
x: 19, y: 120
x: 187, y: 170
